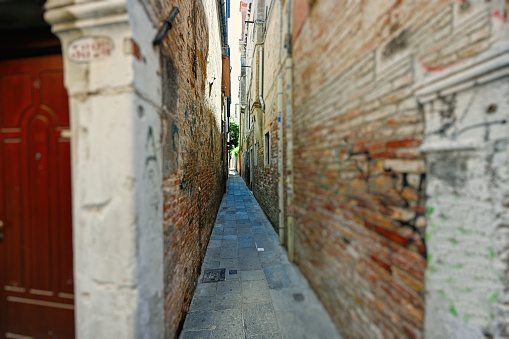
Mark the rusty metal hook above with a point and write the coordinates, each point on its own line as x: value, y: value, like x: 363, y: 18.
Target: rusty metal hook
x: 167, y: 25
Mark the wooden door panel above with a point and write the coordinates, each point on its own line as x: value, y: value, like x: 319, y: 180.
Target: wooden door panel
x: 36, y: 273
x: 64, y: 215
x: 11, y: 154
x: 39, y: 205
x: 17, y: 88
x: 30, y: 317
x: 51, y: 90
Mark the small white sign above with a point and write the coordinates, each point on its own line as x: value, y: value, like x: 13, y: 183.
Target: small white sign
x: 87, y: 49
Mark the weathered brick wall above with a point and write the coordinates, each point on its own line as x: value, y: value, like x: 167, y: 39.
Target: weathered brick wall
x: 194, y: 167
x: 265, y: 187
x: 359, y: 174
x: 250, y: 96
x: 265, y: 175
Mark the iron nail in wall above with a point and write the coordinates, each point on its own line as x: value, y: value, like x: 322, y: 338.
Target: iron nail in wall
x: 167, y: 25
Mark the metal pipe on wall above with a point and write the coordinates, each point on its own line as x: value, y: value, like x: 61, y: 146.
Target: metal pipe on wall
x: 260, y: 84
x: 289, y: 138
x: 280, y: 164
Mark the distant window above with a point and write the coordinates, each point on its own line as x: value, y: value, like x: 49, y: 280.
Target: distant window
x: 267, y: 149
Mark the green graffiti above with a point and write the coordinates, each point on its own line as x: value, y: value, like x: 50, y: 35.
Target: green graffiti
x: 457, y: 266
x: 429, y: 257
x: 430, y: 211
x: 453, y: 242
x: 453, y: 311
x: 442, y: 293
x: 465, y: 290
x: 431, y: 229
x: 493, y: 298
x: 492, y: 253
x: 323, y: 186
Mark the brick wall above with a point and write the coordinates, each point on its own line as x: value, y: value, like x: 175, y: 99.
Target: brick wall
x: 265, y: 187
x: 265, y: 175
x: 360, y: 177
x: 194, y: 165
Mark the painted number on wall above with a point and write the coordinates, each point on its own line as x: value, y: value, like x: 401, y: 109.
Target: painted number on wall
x: 90, y: 48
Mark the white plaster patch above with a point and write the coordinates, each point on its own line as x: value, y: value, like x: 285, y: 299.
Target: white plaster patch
x: 466, y: 171
x: 104, y: 217
x: 149, y: 216
x: 148, y: 167
x: 117, y: 193
x: 109, y: 73
x: 89, y: 48
x: 214, y: 61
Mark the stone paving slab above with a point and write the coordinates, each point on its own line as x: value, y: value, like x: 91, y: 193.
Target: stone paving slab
x: 263, y: 295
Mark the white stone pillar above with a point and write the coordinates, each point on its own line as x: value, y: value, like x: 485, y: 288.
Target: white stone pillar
x: 113, y: 81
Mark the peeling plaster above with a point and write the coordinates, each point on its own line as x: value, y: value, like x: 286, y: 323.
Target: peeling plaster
x: 467, y: 179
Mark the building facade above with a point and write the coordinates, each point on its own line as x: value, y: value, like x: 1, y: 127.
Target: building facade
x: 258, y: 102
x: 386, y: 166
x: 137, y: 127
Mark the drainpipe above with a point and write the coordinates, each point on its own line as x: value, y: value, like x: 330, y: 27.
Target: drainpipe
x: 260, y: 21
x: 280, y: 143
x: 280, y: 164
x: 260, y: 84
x: 260, y: 75
x: 289, y: 137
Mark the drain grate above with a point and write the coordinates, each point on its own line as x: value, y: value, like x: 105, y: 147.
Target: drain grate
x: 298, y: 297
x: 233, y: 272
x: 213, y: 275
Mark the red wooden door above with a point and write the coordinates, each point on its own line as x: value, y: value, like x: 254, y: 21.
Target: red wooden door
x: 36, y: 272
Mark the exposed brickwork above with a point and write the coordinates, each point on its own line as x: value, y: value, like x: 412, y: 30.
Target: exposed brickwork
x: 194, y: 166
x: 265, y: 175
x: 359, y: 174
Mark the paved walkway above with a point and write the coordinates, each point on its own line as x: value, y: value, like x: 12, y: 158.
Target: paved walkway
x: 262, y: 295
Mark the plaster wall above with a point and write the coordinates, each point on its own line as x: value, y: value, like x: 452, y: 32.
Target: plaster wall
x: 265, y: 182
x: 105, y: 224
x: 264, y: 173
x: 250, y: 95
x: 147, y: 108
x: 117, y: 212
x: 466, y: 113
x: 214, y: 60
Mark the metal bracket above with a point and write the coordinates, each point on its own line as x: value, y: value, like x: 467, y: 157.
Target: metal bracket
x: 167, y: 25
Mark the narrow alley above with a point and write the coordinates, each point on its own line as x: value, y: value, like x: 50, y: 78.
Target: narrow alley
x: 247, y: 287
x: 254, y: 169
